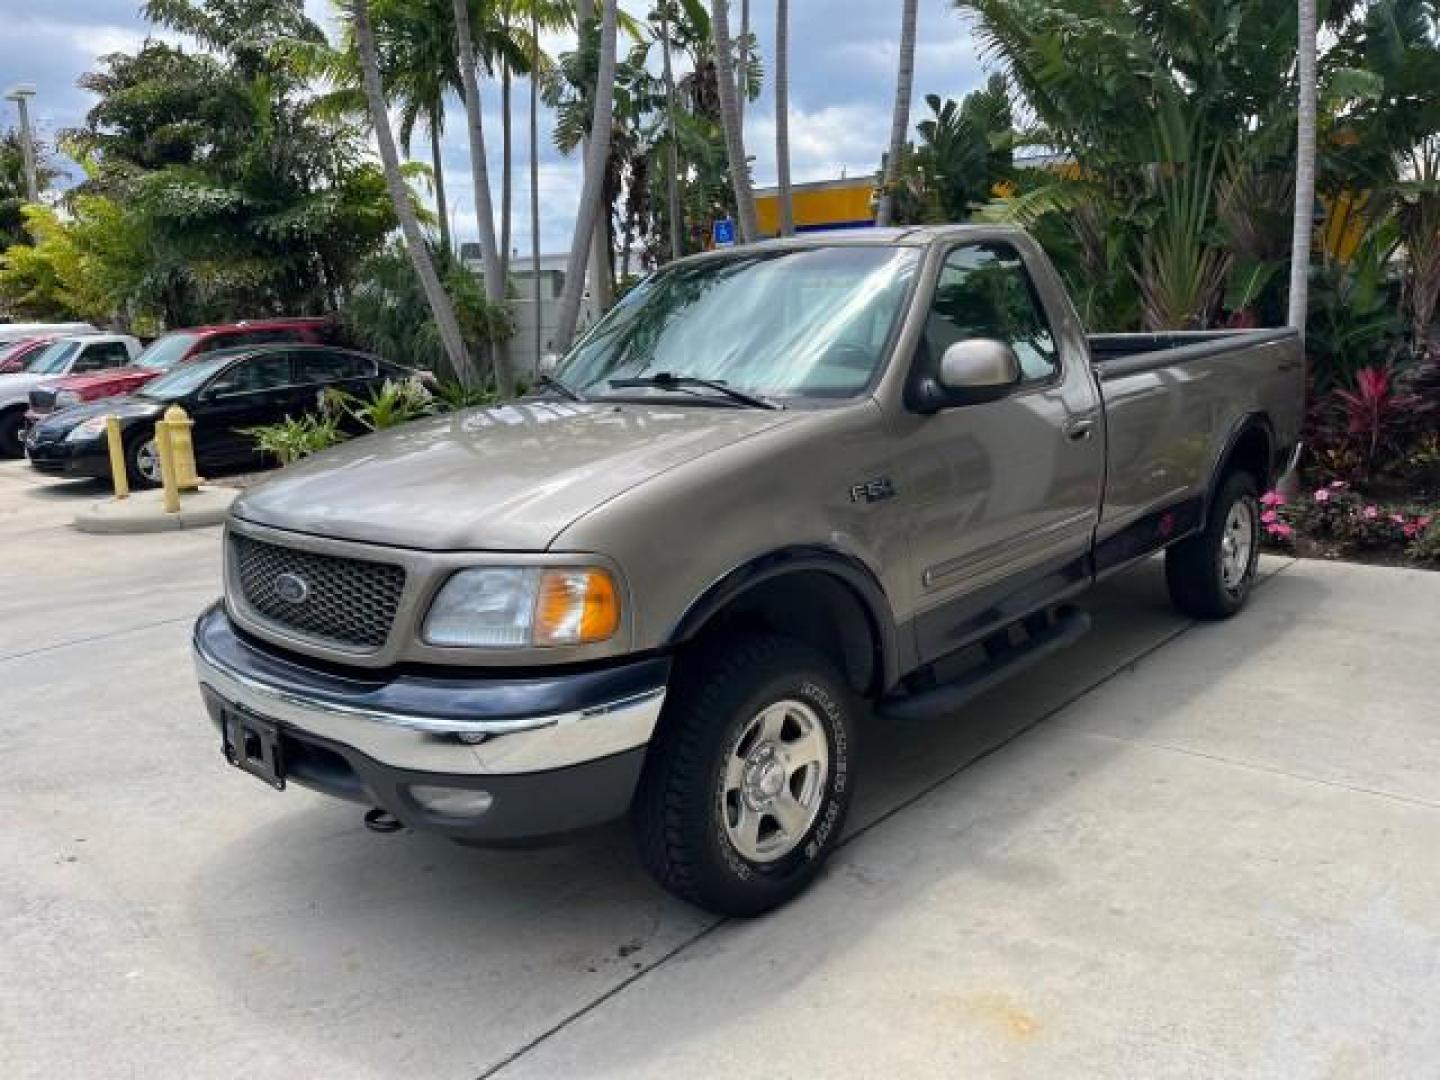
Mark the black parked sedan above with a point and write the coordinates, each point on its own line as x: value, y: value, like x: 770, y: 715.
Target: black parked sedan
x: 225, y: 394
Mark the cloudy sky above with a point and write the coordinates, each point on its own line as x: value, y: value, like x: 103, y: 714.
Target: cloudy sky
x: 842, y: 64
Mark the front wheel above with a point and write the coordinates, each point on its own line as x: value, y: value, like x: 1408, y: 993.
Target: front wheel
x: 142, y: 462
x: 1210, y: 575
x: 747, y: 784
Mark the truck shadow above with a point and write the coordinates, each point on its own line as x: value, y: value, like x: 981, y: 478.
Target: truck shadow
x: 308, y: 917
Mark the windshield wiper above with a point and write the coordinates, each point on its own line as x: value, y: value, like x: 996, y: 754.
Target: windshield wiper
x: 666, y: 380
x: 549, y: 382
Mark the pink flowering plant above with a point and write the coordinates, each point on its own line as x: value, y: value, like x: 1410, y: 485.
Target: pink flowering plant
x: 1334, y: 518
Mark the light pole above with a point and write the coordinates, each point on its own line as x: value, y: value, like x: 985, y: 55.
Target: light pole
x: 21, y: 95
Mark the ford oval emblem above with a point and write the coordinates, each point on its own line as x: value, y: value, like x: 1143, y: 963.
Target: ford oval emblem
x: 292, y: 588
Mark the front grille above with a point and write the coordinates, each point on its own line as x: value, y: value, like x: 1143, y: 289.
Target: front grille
x: 351, y: 602
x: 42, y: 399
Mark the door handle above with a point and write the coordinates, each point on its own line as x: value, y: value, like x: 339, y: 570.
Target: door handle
x: 1079, y: 429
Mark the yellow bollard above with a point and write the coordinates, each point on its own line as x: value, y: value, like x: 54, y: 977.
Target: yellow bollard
x: 176, y: 446
x: 182, y: 448
x: 118, y: 476
x: 165, y: 447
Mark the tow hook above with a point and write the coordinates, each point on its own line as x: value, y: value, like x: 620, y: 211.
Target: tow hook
x: 380, y: 820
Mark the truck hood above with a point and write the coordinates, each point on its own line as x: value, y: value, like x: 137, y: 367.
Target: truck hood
x: 503, y: 479
x: 95, y: 383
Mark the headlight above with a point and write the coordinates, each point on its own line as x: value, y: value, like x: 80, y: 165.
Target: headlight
x: 87, y: 429
x: 66, y: 398
x: 509, y: 607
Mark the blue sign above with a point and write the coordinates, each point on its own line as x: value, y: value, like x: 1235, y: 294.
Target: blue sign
x: 724, y: 233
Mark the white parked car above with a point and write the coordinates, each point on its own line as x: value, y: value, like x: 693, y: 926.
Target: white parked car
x: 21, y: 331
x: 68, y: 356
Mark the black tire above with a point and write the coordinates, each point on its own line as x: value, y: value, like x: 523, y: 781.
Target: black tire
x: 11, y: 445
x: 1195, y: 568
x: 134, y: 466
x: 681, y: 815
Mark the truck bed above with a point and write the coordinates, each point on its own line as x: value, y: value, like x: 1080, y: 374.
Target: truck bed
x: 1124, y: 354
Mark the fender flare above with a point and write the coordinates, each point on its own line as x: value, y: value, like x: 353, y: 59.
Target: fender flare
x: 795, y: 559
x: 1251, y: 421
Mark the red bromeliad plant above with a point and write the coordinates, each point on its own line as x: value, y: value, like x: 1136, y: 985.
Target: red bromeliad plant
x: 1374, y: 413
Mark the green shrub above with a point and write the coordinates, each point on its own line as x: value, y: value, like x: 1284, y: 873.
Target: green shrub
x: 296, y: 437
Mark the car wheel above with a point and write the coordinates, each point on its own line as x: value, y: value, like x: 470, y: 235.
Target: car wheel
x: 10, y: 424
x: 749, y: 778
x: 142, y: 462
x: 1210, y: 575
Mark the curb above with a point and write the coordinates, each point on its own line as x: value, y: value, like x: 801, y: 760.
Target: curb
x: 144, y: 512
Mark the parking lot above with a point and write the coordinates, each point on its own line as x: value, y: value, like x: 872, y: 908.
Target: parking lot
x: 1175, y: 850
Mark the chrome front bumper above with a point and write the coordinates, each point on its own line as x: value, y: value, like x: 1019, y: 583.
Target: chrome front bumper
x: 477, y: 726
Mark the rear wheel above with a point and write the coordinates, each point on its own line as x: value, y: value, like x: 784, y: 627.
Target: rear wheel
x: 10, y: 423
x: 748, y: 781
x: 1210, y: 575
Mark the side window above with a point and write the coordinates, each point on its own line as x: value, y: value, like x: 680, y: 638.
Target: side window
x: 328, y: 367
x: 984, y: 291
x: 254, y: 375
x: 104, y: 354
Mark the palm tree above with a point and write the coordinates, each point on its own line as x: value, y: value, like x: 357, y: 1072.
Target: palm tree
x: 901, y: 118
x: 782, y: 115
x: 535, y: 182
x: 1304, y: 224
x: 597, y: 156
x: 435, y: 295
x: 744, y: 60
x: 672, y: 179
x: 730, y: 120
x: 479, y: 170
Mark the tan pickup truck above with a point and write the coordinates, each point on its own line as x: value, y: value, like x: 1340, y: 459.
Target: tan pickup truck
x: 760, y: 501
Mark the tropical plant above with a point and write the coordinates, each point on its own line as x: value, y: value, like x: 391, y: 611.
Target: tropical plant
x: 13, y: 193
x: 441, y: 308
x: 597, y: 153
x: 900, y: 118
x: 730, y: 122
x: 91, y: 266
x: 297, y: 437
x: 782, y: 116
x: 251, y: 201
x: 389, y: 405
x: 381, y: 313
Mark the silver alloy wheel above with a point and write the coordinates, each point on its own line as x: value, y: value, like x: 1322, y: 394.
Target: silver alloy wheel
x: 775, y: 776
x: 147, y: 461
x: 1237, y: 545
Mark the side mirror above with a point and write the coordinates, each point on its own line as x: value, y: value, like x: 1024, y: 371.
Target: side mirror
x: 971, y: 373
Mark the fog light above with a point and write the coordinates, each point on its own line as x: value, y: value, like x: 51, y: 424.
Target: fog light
x: 452, y: 802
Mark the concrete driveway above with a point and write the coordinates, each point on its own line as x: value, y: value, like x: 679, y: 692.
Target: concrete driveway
x: 1176, y: 850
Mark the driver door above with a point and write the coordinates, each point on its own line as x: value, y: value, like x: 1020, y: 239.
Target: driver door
x: 1007, y: 491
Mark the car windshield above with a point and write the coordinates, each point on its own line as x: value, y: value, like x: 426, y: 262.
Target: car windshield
x: 165, y: 352
x: 184, y: 380
x: 800, y: 323
x: 53, y: 359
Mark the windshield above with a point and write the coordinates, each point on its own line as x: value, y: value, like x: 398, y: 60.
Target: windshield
x: 811, y: 322
x: 165, y: 352
x: 53, y: 359
x: 184, y: 380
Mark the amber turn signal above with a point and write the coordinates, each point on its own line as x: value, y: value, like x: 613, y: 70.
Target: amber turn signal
x: 576, y: 607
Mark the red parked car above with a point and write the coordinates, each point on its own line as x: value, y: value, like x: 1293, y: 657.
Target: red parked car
x: 166, y: 352
x: 14, y: 355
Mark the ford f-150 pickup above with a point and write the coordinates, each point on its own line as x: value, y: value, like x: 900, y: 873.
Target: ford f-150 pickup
x: 775, y: 489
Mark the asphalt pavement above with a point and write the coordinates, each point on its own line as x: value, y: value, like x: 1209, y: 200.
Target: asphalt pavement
x: 1172, y: 851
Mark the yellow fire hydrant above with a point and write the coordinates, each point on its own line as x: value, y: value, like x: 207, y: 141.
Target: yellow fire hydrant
x: 176, y: 446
